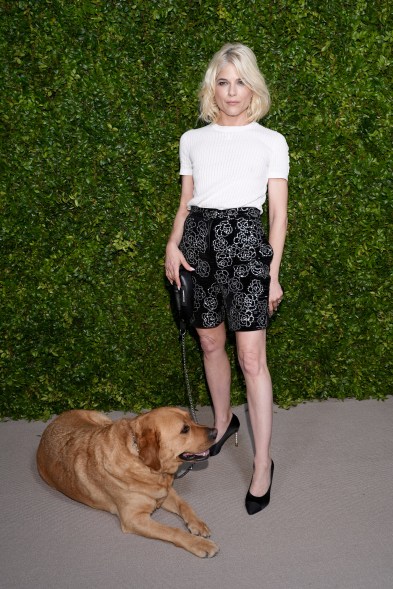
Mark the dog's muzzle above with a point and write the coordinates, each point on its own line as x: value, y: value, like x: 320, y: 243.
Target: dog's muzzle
x: 199, y: 456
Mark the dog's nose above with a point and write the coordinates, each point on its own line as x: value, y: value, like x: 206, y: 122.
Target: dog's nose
x: 212, y: 433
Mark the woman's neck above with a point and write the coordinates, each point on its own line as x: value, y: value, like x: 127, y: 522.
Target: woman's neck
x: 226, y: 121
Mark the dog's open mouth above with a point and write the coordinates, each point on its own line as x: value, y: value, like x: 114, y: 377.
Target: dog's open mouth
x: 190, y: 457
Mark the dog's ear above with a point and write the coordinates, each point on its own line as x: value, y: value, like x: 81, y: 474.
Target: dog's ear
x: 149, y: 448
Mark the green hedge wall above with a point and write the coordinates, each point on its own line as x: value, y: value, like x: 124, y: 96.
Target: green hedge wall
x: 95, y: 95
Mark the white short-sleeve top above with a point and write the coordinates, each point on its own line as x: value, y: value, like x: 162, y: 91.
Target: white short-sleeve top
x: 231, y: 165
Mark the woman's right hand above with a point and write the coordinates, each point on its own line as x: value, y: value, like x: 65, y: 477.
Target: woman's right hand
x: 173, y: 260
x: 173, y: 257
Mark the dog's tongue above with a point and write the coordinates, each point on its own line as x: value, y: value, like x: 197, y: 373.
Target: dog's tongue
x: 191, y: 457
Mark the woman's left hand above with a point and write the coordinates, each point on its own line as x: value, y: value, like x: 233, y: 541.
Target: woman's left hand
x: 276, y: 294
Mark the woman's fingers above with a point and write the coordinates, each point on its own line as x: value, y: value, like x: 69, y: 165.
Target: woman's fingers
x: 172, y: 269
x: 275, y: 298
x: 273, y: 305
x: 186, y: 265
x: 172, y: 272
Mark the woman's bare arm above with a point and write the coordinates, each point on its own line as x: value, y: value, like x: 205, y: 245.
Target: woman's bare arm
x: 278, y: 222
x: 174, y: 258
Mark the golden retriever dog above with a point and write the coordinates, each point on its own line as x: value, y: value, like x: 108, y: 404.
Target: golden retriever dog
x: 127, y: 467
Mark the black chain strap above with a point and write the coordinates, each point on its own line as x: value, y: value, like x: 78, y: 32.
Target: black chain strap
x: 182, y: 337
x: 186, y: 378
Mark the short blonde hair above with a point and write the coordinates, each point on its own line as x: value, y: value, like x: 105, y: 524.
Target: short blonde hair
x: 246, y: 65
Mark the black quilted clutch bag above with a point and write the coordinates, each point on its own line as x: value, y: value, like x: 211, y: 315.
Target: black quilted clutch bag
x: 184, y: 296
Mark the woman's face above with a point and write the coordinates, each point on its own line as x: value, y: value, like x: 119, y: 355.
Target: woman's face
x: 232, y: 96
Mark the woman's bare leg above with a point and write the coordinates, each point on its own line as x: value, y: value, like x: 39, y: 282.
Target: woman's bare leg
x: 218, y: 374
x: 251, y: 349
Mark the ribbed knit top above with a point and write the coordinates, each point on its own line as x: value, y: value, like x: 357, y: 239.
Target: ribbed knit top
x: 231, y: 165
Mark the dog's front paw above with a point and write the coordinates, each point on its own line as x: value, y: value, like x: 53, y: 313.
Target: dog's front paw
x: 204, y: 548
x: 198, y: 528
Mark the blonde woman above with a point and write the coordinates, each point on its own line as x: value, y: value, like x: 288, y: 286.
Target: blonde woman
x: 228, y: 167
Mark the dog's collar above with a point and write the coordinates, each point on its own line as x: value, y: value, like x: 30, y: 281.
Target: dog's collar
x: 134, y: 444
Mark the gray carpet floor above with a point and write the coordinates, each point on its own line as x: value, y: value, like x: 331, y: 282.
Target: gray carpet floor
x: 329, y: 524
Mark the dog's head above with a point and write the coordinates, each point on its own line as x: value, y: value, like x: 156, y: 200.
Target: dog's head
x: 168, y: 436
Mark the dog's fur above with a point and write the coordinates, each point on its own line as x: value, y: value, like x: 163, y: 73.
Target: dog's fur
x: 127, y: 467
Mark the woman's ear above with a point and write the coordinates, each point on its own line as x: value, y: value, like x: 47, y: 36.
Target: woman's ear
x: 149, y: 448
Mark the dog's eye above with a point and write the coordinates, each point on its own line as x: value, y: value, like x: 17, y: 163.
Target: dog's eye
x: 186, y: 429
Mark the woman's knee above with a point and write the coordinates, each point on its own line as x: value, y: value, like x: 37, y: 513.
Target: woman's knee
x: 252, y: 362
x: 212, y: 340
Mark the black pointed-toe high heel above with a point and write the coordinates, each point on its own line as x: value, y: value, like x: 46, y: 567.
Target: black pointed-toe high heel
x: 256, y: 504
x: 232, y: 428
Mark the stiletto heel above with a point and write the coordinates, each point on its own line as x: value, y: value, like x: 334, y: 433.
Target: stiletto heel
x: 256, y: 504
x: 232, y: 428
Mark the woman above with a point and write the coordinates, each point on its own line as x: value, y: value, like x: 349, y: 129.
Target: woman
x: 227, y: 167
